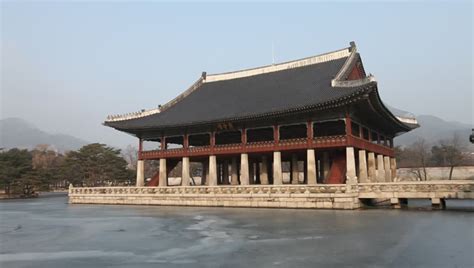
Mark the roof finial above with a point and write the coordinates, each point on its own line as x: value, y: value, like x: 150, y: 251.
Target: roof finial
x: 353, y: 47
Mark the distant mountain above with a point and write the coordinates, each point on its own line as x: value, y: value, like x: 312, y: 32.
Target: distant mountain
x: 433, y: 129
x: 16, y: 132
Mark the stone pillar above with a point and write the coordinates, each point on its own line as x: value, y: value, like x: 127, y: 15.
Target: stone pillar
x: 234, y: 174
x: 140, y: 173
x: 295, y: 174
x: 398, y: 202
x: 326, y: 166
x: 438, y: 203
x: 311, y: 167
x: 212, y: 178
x: 264, y: 171
x: 380, y: 169
x: 163, y: 173
x: 393, y: 168
x: 371, y: 167
x: 205, y: 173
x: 351, y: 176
x: 225, y: 172
x: 185, y: 176
x: 251, y: 173
x: 277, y: 172
x: 388, y: 171
x: 363, y: 167
x: 244, y: 169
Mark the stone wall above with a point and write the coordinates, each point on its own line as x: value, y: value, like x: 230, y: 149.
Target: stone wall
x: 324, y: 196
x: 330, y: 196
x: 437, y: 173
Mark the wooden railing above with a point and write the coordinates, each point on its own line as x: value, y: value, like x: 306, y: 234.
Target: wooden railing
x: 250, y: 147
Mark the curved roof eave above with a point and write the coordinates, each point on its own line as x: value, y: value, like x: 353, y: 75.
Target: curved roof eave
x: 385, y: 110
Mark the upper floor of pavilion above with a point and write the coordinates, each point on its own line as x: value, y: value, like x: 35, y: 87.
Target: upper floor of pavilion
x: 320, y: 88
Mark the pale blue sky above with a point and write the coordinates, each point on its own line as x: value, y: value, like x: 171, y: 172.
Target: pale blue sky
x: 66, y: 66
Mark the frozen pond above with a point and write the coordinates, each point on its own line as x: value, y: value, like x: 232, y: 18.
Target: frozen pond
x: 47, y: 232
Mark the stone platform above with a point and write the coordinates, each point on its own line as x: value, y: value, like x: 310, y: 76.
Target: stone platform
x: 325, y: 196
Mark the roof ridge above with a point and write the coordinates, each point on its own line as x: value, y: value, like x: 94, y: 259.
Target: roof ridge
x: 183, y: 95
x: 325, y: 57
x: 354, y: 83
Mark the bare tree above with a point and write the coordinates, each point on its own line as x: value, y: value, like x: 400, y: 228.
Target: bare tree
x: 452, y: 153
x: 131, y: 156
x: 421, y: 156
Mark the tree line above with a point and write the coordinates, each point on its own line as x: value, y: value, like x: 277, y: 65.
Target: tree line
x: 420, y: 155
x: 43, y: 169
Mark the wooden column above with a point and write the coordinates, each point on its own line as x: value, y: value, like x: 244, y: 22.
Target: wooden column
x: 243, y: 136
x: 276, y: 134
x: 309, y: 131
x: 163, y: 143
x: 212, y: 142
x: 186, y: 141
x: 140, y: 148
x: 348, y: 125
x: 140, y: 165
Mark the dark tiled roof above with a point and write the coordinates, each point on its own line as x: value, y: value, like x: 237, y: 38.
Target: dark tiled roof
x: 247, y: 96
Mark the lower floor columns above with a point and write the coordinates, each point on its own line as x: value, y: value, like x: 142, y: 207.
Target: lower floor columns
x: 351, y: 176
x: 326, y: 166
x: 264, y: 171
x: 225, y: 172
x: 393, y: 168
x: 371, y: 171
x: 388, y: 171
x: 185, y: 176
x: 244, y: 169
x: 277, y: 172
x: 380, y: 169
x: 295, y: 175
x: 311, y: 167
x: 233, y: 172
x: 140, y: 173
x: 163, y: 180
x: 212, y: 171
x: 205, y: 172
x: 363, y: 177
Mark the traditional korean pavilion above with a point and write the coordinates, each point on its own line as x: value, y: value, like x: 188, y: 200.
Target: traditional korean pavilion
x: 321, y: 116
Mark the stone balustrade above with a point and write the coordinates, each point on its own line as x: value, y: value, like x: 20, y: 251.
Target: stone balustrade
x: 460, y: 189
x: 335, y: 196
x: 338, y: 196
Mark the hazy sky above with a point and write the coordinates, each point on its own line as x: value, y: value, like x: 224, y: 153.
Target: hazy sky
x: 66, y: 66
